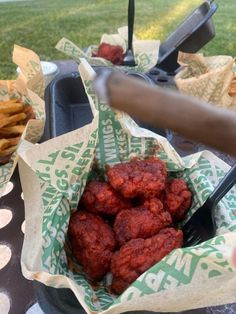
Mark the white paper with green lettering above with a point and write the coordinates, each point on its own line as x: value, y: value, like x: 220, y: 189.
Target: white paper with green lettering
x: 145, y: 51
x: 207, y: 78
x: 53, y: 177
x: 28, y: 87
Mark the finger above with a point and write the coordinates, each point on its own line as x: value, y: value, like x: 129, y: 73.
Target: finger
x: 100, y: 83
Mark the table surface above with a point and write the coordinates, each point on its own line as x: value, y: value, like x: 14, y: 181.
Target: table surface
x: 22, y: 294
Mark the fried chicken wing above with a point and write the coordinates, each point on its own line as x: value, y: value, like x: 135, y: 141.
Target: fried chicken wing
x: 138, y: 255
x: 101, y: 198
x: 145, y: 178
x: 141, y: 222
x: 154, y: 205
x: 177, y: 198
x: 113, y: 53
x: 93, y: 243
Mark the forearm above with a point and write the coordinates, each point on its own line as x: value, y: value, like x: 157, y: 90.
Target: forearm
x: 185, y: 115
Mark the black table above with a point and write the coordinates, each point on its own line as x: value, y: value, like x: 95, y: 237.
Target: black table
x: 24, y: 293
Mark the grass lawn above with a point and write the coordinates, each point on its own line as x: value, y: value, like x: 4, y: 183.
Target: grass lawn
x: 39, y: 24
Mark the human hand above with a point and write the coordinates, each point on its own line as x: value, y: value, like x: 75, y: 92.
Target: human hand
x: 100, y: 83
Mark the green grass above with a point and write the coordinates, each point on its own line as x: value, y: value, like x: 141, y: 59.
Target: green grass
x: 39, y: 24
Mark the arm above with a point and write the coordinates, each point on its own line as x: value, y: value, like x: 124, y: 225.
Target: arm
x: 185, y: 115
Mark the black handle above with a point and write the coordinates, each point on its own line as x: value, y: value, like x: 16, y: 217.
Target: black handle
x: 131, y: 11
x: 223, y: 187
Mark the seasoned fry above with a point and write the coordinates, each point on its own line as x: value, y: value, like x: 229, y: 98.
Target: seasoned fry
x: 232, y: 91
x: 29, y: 112
x: 13, y: 124
x: 5, y: 159
x: 232, y: 88
x: 28, y: 109
x: 16, y: 129
x: 14, y: 140
x: 8, y: 151
x: 4, y: 115
x: 11, y: 119
x: 4, y: 144
x: 11, y: 106
x: 12, y: 100
x: 14, y: 116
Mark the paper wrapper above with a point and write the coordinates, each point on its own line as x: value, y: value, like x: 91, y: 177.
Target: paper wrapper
x: 207, y: 78
x: 145, y: 51
x: 53, y: 176
x: 28, y: 87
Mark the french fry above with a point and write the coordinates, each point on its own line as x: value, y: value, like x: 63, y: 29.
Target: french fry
x: 232, y: 91
x: 232, y: 88
x: 12, y: 100
x: 5, y: 159
x: 4, y: 143
x: 29, y: 112
x: 14, y: 140
x: 16, y: 129
x: 28, y: 109
x: 8, y: 151
x: 11, y: 106
x: 4, y: 115
x: 11, y: 119
x: 13, y: 124
x: 14, y: 116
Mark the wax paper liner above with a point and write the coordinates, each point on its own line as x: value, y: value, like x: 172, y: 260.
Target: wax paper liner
x: 145, y: 51
x: 53, y: 176
x: 207, y: 78
x: 28, y: 87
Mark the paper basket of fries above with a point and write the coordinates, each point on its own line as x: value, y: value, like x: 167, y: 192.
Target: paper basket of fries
x: 22, y: 112
x: 207, y: 78
x: 54, y: 175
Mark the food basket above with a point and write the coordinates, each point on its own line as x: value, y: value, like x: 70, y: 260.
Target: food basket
x: 53, y: 175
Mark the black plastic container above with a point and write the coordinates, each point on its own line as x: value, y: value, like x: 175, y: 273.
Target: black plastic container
x: 190, y: 36
x: 67, y: 107
x: 156, y: 77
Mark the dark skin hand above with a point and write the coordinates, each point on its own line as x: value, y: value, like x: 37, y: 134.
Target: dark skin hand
x: 190, y: 117
x: 185, y: 115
